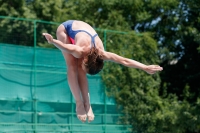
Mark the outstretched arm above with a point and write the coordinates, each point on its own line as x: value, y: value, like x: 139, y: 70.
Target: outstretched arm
x: 75, y: 50
x: 151, y: 69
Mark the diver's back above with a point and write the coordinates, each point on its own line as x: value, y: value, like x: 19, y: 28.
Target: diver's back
x: 80, y: 25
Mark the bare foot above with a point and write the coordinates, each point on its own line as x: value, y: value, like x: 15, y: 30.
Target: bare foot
x: 89, y: 112
x: 80, y: 111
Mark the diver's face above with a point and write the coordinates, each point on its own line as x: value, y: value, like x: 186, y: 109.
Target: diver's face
x: 83, y: 65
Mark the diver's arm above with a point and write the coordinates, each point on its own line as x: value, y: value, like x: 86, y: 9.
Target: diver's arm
x: 75, y: 50
x: 151, y: 69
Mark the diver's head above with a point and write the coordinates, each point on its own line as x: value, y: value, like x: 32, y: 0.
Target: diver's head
x: 93, y: 62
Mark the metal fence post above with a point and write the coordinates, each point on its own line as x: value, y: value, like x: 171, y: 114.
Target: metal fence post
x: 35, y: 74
x: 104, y: 39
x: 105, y: 100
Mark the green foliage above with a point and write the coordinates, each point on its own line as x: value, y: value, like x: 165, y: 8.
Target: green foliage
x: 14, y: 8
x: 14, y: 31
x: 48, y: 10
x: 178, y: 34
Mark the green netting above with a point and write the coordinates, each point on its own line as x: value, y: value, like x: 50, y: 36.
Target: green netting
x: 46, y: 76
x: 35, y: 92
x: 67, y: 128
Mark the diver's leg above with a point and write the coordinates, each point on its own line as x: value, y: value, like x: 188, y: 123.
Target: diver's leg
x: 72, y: 73
x: 83, y: 83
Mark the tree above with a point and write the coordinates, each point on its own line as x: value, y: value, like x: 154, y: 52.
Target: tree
x: 177, y: 31
x: 22, y: 31
x: 14, y: 31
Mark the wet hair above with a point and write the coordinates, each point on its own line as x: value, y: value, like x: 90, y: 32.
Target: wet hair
x: 94, y: 61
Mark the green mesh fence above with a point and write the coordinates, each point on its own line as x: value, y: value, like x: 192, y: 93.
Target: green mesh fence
x: 34, y: 93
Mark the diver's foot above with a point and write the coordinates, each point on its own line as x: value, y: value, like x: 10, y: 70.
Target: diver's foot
x: 90, y: 114
x: 80, y: 111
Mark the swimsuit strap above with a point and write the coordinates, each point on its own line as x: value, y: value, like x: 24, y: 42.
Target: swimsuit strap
x: 93, y: 41
x: 92, y: 37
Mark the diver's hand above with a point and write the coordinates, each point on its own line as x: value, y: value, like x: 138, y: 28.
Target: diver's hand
x: 151, y: 69
x: 48, y: 37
